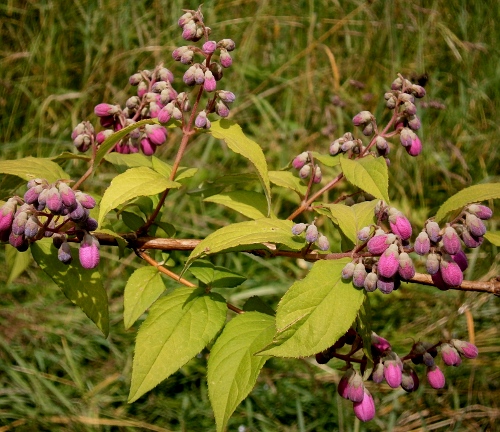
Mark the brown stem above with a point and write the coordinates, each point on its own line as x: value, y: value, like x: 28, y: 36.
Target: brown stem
x: 491, y: 286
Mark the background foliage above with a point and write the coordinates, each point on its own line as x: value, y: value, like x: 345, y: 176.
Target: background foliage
x: 301, y: 70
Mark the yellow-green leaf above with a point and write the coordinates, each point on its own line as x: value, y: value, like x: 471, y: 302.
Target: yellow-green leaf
x: 30, y: 167
x: 250, y: 204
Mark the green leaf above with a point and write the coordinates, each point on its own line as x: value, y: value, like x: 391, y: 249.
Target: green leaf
x: 493, y: 237
x: 122, y: 244
x: 110, y: 142
x: 364, y: 327
x: 369, y: 174
x: 232, y: 367
x: 143, y: 287
x: 248, y: 235
x: 472, y: 194
x: 256, y: 304
x: 287, y: 180
x: 134, y: 182
x: 133, y: 221
x: 250, y: 204
x: 178, y: 327
x: 132, y: 160
x: 66, y: 156
x: 83, y: 287
x: 238, y: 142
x: 17, y: 262
x: 215, y: 276
x: 315, y: 312
x: 30, y: 167
x: 326, y: 160
x: 351, y: 219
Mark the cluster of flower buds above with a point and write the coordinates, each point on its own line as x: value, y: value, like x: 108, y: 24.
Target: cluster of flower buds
x: 304, y: 163
x: 396, y: 371
x: 390, y: 261
x: 402, y: 98
x: 312, y: 235
x: 51, y: 210
x: 157, y: 98
x: 345, y: 144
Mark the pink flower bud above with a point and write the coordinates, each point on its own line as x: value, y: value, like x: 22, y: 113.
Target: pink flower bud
x: 17, y: 240
x: 104, y: 110
x: 89, y: 252
x: 147, y: 147
x: 142, y: 89
x: 432, y: 229
x: 378, y: 244
x: 31, y: 228
x: 189, y: 30
x: 362, y: 118
x: 414, y: 123
x: 435, y: 377
x: 189, y: 76
x: 225, y: 58
x: 385, y: 285
x: 199, y: 76
x: 165, y: 114
x: 364, y: 233
x: 53, y: 201
x: 465, y: 348
x: 209, y: 47
x: 101, y: 136
x: 317, y: 175
x: 166, y: 75
x: 392, y: 373
x: 451, y: 241
x: 135, y: 79
x: 378, y: 373
x: 201, y: 119
x: 300, y: 160
x: 451, y: 273
x: 400, y: 225
x: 417, y: 91
x: 422, y: 244
x: 471, y: 241
x: 406, y: 268
x: 67, y: 195
x: 226, y: 96
x: 450, y: 355
x: 85, y: 200
x: 380, y: 344
x: 209, y: 85
x: 156, y: 133
x: 475, y: 225
x: 406, y: 137
x: 415, y: 148
x: 481, y: 211
x: 365, y: 410
x: 351, y: 386
x: 221, y: 109
x: 179, y: 52
x: 461, y: 259
x: 388, y: 263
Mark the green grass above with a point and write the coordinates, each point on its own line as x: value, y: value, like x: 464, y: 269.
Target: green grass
x: 58, y: 60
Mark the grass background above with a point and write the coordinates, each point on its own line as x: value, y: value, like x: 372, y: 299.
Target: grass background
x: 301, y: 70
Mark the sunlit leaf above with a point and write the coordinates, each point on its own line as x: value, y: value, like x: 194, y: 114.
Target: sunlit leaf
x: 177, y: 328
x: 288, y: 180
x: 215, y: 276
x: 250, y: 204
x: 472, y: 194
x: 17, y: 262
x: 315, y: 312
x: 493, y: 237
x: 143, y: 287
x: 30, y: 167
x: 232, y: 366
x: 370, y: 174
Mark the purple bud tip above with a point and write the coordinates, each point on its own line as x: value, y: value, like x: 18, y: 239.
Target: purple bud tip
x: 348, y: 270
x: 481, y: 211
x: 422, y: 244
x: 365, y: 410
x: 435, y: 377
x: 156, y: 133
x: 312, y: 234
x: 362, y: 118
x: 415, y: 148
x: 64, y: 253
x: 351, y: 386
x: 323, y: 243
x: 379, y: 343
x: 385, y: 285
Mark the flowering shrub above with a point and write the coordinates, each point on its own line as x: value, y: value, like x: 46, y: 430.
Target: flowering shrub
x: 320, y: 315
